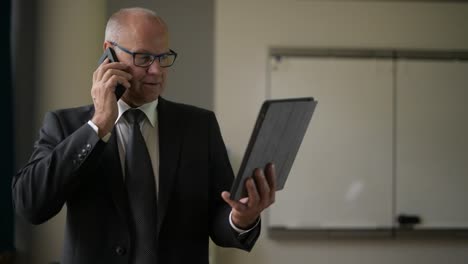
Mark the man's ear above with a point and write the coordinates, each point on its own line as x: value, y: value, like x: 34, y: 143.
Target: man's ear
x: 106, y: 44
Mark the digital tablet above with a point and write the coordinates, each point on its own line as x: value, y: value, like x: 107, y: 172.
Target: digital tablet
x: 276, y: 137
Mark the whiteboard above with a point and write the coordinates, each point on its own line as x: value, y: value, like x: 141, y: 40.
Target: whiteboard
x: 343, y: 174
x: 432, y: 142
x: 389, y: 136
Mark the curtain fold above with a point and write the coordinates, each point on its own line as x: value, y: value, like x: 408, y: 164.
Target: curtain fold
x: 6, y: 133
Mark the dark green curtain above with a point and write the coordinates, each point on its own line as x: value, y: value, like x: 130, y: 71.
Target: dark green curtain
x: 6, y: 131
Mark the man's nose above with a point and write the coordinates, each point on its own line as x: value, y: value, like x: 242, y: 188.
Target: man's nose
x: 154, y: 68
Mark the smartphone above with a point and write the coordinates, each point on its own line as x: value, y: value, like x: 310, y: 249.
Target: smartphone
x: 110, y: 53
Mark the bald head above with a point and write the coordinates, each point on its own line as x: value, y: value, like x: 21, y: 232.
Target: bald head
x: 125, y: 20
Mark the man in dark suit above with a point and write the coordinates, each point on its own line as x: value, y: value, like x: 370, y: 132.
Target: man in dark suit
x: 81, y: 159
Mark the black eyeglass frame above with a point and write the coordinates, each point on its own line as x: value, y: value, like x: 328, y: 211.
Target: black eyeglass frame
x: 153, y: 56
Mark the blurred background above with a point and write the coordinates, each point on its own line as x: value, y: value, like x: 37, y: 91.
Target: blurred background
x: 224, y: 52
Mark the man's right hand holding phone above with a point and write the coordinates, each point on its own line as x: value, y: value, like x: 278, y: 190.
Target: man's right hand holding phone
x: 105, y: 79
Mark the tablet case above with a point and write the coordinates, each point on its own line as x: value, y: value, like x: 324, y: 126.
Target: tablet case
x: 276, y: 137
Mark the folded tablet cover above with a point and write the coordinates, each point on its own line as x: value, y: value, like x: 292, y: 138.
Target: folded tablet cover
x: 277, y: 136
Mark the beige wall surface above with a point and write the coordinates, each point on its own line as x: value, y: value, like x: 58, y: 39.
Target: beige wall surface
x: 70, y: 35
x: 247, y: 29
x: 56, y: 45
x: 69, y: 43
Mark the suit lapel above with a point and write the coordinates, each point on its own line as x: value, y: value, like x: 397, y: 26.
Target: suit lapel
x: 169, y: 152
x: 116, y: 181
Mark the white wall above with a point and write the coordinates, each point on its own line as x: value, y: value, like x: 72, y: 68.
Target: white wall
x: 246, y: 29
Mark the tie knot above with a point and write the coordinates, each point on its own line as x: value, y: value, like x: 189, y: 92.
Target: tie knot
x: 134, y: 116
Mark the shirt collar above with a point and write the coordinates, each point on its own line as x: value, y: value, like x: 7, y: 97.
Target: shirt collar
x: 150, y: 110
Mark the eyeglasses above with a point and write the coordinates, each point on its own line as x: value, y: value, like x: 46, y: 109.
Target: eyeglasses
x: 146, y: 59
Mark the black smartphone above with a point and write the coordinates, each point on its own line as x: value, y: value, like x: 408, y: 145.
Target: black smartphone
x: 110, y: 53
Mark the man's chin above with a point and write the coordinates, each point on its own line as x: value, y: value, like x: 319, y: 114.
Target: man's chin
x: 144, y: 96
x: 152, y: 89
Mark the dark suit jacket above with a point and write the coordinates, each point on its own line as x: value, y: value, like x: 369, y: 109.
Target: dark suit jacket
x: 71, y: 165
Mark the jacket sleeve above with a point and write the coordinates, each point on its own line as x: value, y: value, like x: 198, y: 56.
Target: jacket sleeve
x: 222, y: 176
x: 58, y: 164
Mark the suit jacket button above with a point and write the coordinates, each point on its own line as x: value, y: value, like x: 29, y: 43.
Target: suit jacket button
x: 88, y: 146
x: 120, y: 250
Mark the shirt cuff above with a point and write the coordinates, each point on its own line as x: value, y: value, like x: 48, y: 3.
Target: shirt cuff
x: 96, y: 129
x: 239, y: 230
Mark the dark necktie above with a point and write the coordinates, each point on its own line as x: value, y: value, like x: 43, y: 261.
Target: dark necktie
x: 141, y: 187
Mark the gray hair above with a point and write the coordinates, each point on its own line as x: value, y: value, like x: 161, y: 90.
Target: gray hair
x: 116, y: 22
